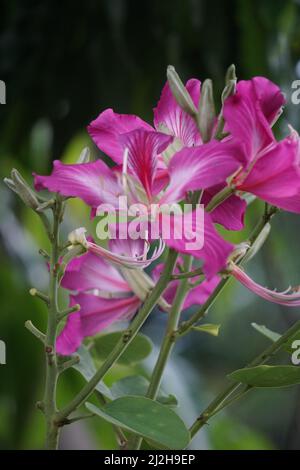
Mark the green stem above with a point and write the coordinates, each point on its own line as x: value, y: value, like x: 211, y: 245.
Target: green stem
x: 49, y: 404
x: 169, y: 338
x: 189, y: 274
x: 224, y: 399
x: 124, y: 341
x: 167, y: 344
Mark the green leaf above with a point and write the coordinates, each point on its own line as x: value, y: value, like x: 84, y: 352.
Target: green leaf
x: 138, y: 385
x: 137, y: 351
x: 289, y: 344
x: 268, y: 376
x: 272, y: 335
x: 147, y: 418
x: 87, y: 369
x: 209, y: 328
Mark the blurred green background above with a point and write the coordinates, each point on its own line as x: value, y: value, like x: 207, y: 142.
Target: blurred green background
x: 64, y: 62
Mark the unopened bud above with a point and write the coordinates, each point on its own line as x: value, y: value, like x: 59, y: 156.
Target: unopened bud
x: 230, y: 83
x: 180, y: 93
x: 10, y: 184
x: 207, y: 113
x: 84, y: 156
x: 25, y: 192
x: 230, y: 74
x: 77, y: 237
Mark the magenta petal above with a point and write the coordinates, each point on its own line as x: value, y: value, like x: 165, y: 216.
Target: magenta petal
x: 108, y: 126
x: 70, y: 338
x: 270, y: 97
x: 89, y: 272
x: 276, y: 175
x: 143, y: 148
x: 230, y: 213
x: 93, y: 182
x: 198, y: 295
x: 214, y: 250
x: 245, y: 120
x: 202, y: 167
x: 169, y: 116
x: 95, y: 315
x: 288, y: 298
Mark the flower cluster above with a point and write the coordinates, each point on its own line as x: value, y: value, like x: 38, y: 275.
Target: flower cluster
x: 189, y: 155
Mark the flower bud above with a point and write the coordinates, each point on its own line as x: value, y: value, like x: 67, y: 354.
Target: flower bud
x: 207, y: 113
x: 25, y: 192
x: 230, y: 83
x: 180, y: 93
x: 77, y: 237
x: 10, y: 184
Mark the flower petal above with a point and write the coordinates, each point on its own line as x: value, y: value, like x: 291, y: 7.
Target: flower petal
x: 275, y: 176
x: 95, y: 315
x: 108, y: 126
x: 89, y: 272
x: 202, y: 167
x: 93, y: 182
x: 230, y: 213
x: 246, y: 121
x: 143, y: 148
x: 189, y: 235
x: 170, y: 118
x: 131, y: 261
x: 270, y: 97
x: 283, y: 298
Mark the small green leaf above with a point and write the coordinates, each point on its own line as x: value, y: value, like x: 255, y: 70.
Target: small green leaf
x: 267, y: 376
x: 87, y: 369
x: 147, y: 418
x: 209, y: 328
x: 272, y: 335
x: 138, y: 385
x: 137, y: 351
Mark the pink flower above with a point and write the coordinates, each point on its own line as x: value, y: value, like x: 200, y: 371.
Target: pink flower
x: 169, y: 118
x: 103, y: 294
x: 288, y: 298
x: 199, y: 167
x: 272, y: 170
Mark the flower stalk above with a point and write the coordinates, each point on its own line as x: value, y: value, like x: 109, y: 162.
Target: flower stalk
x: 52, y: 372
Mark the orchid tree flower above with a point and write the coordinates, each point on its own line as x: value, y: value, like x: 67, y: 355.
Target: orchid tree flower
x: 190, y: 169
x: 272, y: 170
x: 105, y: 293
x: 169, y: 118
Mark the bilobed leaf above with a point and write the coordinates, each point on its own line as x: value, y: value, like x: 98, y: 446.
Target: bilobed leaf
x: 272, y: 335
x: 147, y: 418
x: 139, y: 348
x: 209, y: 328
x: 138, y: 385
x: 267, y: 376
x: 87, y: 369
